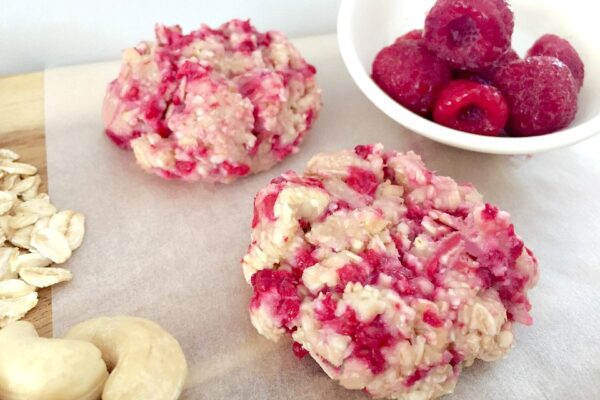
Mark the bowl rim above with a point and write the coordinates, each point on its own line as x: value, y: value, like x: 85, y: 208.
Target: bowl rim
x: 440, y: 133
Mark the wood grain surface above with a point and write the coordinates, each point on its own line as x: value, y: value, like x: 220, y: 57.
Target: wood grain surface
x: 22, y: 130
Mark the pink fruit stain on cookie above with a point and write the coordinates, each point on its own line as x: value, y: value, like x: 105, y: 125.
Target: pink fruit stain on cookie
x: 428, y: 71
x: 362, y: 181
x: 414, y: 278
x: 211, y: 105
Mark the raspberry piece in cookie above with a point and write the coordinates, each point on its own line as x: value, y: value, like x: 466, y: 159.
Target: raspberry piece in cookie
x: 410, y: 74
x: 541, y: 94
x: 555, y: 46
x: 211, y: 105
x: 471, y: 107
x: 391, y: 277
x: 470, y: 34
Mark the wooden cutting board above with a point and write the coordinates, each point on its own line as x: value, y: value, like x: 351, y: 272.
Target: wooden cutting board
x: 22, y: 130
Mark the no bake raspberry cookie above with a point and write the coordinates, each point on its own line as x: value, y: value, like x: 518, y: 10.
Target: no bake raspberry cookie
x: 391, y: 277
x: 212, y: 105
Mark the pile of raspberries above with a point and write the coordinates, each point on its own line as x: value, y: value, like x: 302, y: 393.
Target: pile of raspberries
x: 461, y: 72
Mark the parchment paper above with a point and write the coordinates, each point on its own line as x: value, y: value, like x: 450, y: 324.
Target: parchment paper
x: 170, y: 251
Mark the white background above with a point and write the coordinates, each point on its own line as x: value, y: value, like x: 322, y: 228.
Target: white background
x: 36, y: 34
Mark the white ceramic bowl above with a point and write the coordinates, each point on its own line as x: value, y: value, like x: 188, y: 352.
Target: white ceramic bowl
x: 366, y: 26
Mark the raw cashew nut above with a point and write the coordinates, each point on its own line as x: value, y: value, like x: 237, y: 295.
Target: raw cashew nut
x: 35, y: 368
x: 146, y: 362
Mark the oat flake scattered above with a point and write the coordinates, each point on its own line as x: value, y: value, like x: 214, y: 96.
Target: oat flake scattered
x: 33, y: 236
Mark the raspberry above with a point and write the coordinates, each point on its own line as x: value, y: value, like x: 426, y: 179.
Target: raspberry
x: 363, y: 151
x: 352, y: 273
x: 298, y: 350
x: 269, y: 205
x: 555, y: 46
x: 369, y: 340
x: 541, y: 94
x: 471, y: 107
x: 506, y: 13
x: 431, y: 318
x: 416, y: 376
x: 415, y: 34
x: 460, y: 74
x: 362, y: 181
x: 470, y: 34
x: 411, y: 75
x: 235, y: 170
x: 485, y: 75
x: 277, y: 287
x: 509, y: 56
x: 489, y: 213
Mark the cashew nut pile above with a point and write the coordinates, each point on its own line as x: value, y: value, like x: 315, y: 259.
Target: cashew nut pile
x: 32, y: 367
x: 145, y: 362
x: 33, y: 235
